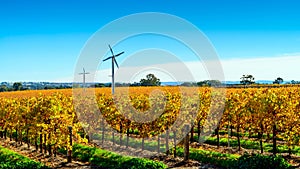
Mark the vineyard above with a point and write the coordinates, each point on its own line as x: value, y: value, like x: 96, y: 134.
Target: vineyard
x: 155, y: 119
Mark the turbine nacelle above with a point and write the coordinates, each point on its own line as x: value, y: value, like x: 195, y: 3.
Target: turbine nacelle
x: 113, y: 57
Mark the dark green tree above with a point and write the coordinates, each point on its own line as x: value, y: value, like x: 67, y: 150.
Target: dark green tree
x: 3, y: 88
x: 247, y: 79
x: 295, y: 82
x: 150, y: 80
x: 279, y: 80
x: 100, y: 85
x: 17, y: 86
x: 209, y: 83
x: 189, y: 84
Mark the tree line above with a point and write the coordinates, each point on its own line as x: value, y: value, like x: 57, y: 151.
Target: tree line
x: 15, y: 87
x: 18, y: 86
x: 151, y: 80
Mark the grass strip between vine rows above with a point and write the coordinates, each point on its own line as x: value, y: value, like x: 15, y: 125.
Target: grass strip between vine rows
x: 12, y: 160
x: 105, y: 159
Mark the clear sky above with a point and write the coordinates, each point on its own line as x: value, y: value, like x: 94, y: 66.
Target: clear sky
x: 40, y: 40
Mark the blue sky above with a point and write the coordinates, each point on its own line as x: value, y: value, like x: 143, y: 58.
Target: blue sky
x: 41, y: 40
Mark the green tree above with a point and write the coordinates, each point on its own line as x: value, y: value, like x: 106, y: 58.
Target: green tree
x: 279, y: 80
x: 209, y: 83
x: 76, y: 85
x: 150, y: 80
x: 100, y: 85
x: 17, y: 86
x: 247, y: 79
x: 188, y: 84
x: 3, y: 88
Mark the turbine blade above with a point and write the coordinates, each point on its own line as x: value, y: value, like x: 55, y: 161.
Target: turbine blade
x: 83, y: 70
x: 107, y: 58
x: 111, y: 50
x: 119, y: 54
x: 116, y: 63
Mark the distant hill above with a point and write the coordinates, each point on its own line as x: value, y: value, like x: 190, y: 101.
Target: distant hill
x: 225, y: 82
x: 171, y: 83
x: 257, y: 81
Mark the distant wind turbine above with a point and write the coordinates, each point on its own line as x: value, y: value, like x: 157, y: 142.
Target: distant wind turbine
x: 84, y: 73
x: 113, y: 61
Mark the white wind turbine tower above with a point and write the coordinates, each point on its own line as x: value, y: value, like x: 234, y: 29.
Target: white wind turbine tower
x: 113, y: 61
x: 84, y: 73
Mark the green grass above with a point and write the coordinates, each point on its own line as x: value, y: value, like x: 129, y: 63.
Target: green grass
x: 216, y: 158
x: 249, y: 144
x: 247, y: 134
x: 211, y: 157
x: 12, y: 160
x: 133, y: 142
x: 232, y: 161
x: 105, y: 159
x: 255, y: 161
x: 203, y: 156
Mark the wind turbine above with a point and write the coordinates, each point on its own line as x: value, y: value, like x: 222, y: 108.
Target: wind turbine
x: 84, y: 73
x: 113, y: 62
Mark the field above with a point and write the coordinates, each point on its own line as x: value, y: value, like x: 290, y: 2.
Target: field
x: 248, y: 125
